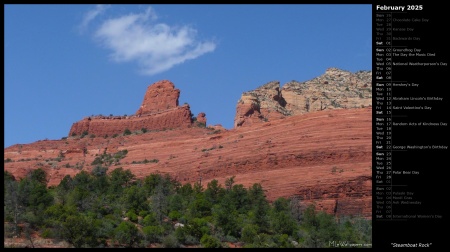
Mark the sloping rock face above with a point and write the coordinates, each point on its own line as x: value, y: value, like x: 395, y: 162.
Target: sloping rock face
x: 322, y: 157
x: 159, y: 111
x: 336, y: 89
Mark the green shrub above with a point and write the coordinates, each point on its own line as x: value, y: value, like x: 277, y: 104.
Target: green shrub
x: 153, y: 233
x: 132, y: 216
x: 249, y: 233
x: 174, y: 215
x: 97, y: 161
x: 120, y: 154
x: 230, y: 238
x: 143, y: 213
x: 149, y: 220
x: 170, y: 241
x: 200, y: 124
x: 126, y: 132
x: 209, y: 241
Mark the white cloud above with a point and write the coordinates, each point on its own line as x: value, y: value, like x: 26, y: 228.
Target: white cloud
x: 90, y: 15
x: 156, y: 47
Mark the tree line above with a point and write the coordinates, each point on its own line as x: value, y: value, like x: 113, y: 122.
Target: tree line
x: 114, y: 209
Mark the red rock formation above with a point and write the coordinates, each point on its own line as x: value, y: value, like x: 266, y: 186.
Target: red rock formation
x: 160, y: 96
x: 336, y: 89
x: 260, y: 105
x: 201, y: 118
x: 102, y: 126
x: 158, y: 111
x: 322, y: 157
x: 340, y: 198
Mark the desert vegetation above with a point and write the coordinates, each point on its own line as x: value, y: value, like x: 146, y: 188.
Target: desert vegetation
x: 111, y: 208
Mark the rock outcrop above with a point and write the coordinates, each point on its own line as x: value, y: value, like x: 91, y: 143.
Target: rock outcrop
x: 201, y: 118
x: 261, y: 105
x: 159, y: 111
x: 311, y: 140
x: 160, y: 96
x: 336, y: 89
x: 111, y: 125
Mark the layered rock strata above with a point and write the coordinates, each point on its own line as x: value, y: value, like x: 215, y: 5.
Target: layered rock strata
x: 336, y: 89
x: 159, y: 111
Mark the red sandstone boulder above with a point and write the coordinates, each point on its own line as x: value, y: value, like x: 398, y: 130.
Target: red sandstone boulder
x: 201, y: 118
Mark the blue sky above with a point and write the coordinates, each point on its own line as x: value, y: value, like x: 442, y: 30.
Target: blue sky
x: 65, y: 62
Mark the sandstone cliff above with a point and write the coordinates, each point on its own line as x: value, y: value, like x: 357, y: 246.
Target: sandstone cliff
x: 323, y: 157
x: 159, y: 111
x: 336, y: 89
x: 321, y: 154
